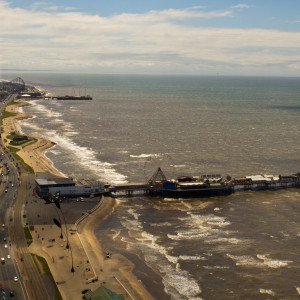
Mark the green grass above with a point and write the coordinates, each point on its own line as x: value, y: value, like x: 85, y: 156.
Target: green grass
x: 18, y: 143
x: 7, y: 114
x: 47, y: 271
x: 12, y: 136
x: 12, y: 103
x: 14, y: 151
x: 28, y: 236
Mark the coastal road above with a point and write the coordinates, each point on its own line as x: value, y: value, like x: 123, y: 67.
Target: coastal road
x: 15, y: 189
x: 8, y: 268
x: 32, y: 278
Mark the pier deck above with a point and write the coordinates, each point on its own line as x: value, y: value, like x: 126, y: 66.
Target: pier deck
x: 230, y: 186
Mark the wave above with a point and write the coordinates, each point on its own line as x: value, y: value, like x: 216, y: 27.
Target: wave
x: 269, y: 292
x: 81, y: 156
x: 246, y: 260
x: 143, y: 155
x: 177, y: 282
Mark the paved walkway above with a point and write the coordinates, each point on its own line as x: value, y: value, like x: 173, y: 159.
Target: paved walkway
x: 89, y: 260
x: 32, y: 278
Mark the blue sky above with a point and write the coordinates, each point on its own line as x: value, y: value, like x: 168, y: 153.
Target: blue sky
x: 253, y: 37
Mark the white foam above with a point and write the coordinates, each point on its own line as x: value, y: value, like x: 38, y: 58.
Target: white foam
x: 132, y: 224
x: 188, y: 236
x: 71, y: 133
x: 143, y: 155
x: 37, y: 106
x: 226, y: 240
x: 245, y: 260
x: 210, y: 219
x: 116, y: 234
x: 269, y: 292
x: 215, y: 267
x: 182, y: 284
x: 178, y: 282
x: 273, y: 263
x: 162, y: 224
x: 123, y: 151
x: 133, y: 212
x: 191, y: 257
x: 173, y: 259
x: 170, y: 199
x: 54, y: 151
x: 209, y: 228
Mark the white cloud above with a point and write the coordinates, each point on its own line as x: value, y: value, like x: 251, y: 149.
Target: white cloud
x: 241, y: 6
x: 151, y: 41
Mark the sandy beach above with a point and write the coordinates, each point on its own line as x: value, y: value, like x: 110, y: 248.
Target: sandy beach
x: 92, y: 267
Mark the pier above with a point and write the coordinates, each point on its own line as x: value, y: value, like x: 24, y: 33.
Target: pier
x: 205, y: 185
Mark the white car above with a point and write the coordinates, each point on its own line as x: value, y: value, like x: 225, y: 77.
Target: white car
x: 5, y: 246
x: 16, y: 278
x: 8, y: 256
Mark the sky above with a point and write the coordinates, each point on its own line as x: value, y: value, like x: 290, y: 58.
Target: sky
x: 193, y: 37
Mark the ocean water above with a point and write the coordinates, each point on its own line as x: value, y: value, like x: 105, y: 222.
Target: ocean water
x: 242, y: 246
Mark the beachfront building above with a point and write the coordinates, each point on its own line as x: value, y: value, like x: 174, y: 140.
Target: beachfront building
x: 85, y: 188
x: 43, y: 185
x: 31, y: 95
x: 48, y: 184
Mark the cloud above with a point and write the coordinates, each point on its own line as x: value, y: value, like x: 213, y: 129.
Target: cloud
x: 241, y: 6
x: 47, y: 6
x: 149, y: 42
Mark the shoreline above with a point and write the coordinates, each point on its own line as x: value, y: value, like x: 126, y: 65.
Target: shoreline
x: 33, y: 155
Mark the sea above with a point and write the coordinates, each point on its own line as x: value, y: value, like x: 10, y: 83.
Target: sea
x: 245, y: 245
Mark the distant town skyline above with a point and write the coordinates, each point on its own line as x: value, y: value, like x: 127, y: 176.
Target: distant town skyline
x: 223, y: 37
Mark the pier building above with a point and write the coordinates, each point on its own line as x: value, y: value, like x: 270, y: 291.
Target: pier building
x: 48, y: 184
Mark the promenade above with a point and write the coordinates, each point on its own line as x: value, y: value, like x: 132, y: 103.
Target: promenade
x: 91, y: 267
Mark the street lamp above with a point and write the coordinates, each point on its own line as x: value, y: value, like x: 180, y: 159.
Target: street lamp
x: 58, y: 224
x: 55, y: 200
x: 57, y: 204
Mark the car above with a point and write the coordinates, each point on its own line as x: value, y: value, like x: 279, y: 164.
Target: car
x: 8, y: 256
x: 11, y: 294
x: 4, y: 239
x: 16, y: 278
x: 12, y: 184
x: 3, y: 225
x: 6, y: 246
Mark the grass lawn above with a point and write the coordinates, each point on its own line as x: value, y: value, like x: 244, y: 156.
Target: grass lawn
x: 14, y: 151
x: 42, y: 261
